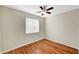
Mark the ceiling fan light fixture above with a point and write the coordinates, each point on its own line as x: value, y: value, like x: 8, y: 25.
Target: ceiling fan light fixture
x: 44, y: 10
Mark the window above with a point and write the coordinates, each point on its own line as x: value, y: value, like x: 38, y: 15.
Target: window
x: 32, y: 25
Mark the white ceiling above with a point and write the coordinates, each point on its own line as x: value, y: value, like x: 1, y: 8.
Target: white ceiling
x: 34, y: 8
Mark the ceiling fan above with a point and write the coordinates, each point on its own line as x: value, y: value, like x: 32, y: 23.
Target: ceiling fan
x: 44, y: 9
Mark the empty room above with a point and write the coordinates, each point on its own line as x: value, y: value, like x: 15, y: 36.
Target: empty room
x: 39, y: 29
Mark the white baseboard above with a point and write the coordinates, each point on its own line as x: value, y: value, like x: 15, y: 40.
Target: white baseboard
x: 30, y: 43
x: 64, y: 44
x: 19, y: 46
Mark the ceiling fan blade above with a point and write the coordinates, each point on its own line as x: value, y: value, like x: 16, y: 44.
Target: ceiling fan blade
x: 41, y: 7
x: 50, y: 8
x: 39, y: 11
x: 48, y: 12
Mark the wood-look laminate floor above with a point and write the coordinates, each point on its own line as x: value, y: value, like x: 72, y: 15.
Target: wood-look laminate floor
x: 44, y: 47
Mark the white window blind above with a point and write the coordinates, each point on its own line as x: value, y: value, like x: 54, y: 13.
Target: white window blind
x: 32, y: 25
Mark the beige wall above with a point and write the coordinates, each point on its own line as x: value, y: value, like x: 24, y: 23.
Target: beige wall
x: 63, y: 28
x: 78, y: 30
x: 13, y: 24
x: 0, y: 31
